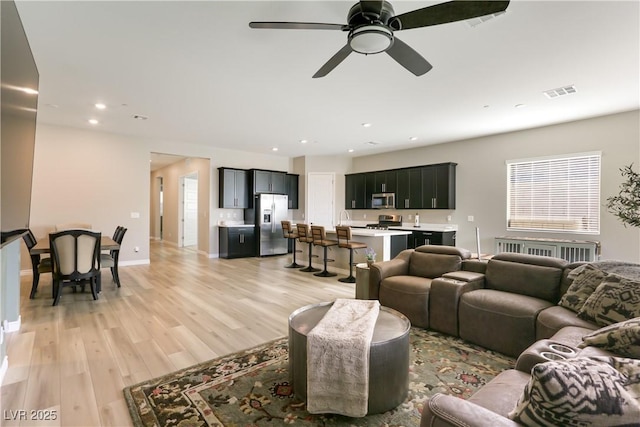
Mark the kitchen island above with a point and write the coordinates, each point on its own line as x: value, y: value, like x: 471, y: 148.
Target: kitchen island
x: 385, y: 243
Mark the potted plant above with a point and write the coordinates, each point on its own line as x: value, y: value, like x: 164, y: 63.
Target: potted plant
x: 370, y: 254
x: 626, y: 205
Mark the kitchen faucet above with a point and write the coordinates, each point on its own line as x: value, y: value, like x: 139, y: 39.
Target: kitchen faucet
x: 346, y: 214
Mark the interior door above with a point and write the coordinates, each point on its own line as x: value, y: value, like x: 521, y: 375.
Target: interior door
x: 190, y: 210
x: 320, y: 203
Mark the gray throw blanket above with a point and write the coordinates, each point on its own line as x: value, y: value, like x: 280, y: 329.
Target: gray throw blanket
x: 338, y: 358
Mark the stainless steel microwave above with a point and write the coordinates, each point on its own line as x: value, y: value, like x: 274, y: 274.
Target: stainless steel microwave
x: 383, y: 201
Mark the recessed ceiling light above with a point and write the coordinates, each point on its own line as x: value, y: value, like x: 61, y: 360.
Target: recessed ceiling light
x: 93, y: 121
x: 274, y: 149
x: 351, y: 150
x: 139, y: 117
x: 366, y: 125
x: 519, y: 105
x: 413, y: 138
x: 100, y: 106
x: 303, y: 141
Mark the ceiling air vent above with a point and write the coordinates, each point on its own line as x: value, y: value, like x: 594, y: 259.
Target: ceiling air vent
x: 561, y: 91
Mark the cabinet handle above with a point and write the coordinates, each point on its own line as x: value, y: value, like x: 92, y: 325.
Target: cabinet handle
x: 406, y: 203
x: 242, y: 238
x: 353, y: 204
x: 433, y: 202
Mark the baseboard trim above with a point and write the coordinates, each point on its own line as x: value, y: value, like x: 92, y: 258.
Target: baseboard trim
x: 134, y: 262
x: 12, y: 326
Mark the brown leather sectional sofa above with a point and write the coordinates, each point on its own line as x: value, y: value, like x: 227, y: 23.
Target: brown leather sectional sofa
x: 508, y: 304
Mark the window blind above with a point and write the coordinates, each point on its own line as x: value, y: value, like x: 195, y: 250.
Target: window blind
x: 555, y: 194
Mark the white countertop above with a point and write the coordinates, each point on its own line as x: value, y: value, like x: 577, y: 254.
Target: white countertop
x: 405, y: 227
x: 366, y: 232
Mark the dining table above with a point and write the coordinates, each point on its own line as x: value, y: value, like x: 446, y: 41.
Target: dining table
x: 106, y: 244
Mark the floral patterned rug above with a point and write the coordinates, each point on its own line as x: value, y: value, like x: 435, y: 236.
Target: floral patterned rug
x: 251, y: 388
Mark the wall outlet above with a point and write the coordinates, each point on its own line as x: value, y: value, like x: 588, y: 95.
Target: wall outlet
x: 135, y: 215
x: 470, y: 218
x: 364, y: 216
x: 449, y: 218
x: 410, y: 217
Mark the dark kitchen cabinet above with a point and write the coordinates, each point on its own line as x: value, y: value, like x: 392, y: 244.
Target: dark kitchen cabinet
x: 232, y: 191
x: 355, y: 194
x: 419, y: 187
x: 439, y: 186
x: 409, y: 188
x: 292, y: 190
x: 264, y: 181
x: 237, y: 242
x: 385, y: 181
x: 419, y: 238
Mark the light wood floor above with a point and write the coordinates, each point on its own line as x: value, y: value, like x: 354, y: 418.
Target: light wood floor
x: 73, y: 360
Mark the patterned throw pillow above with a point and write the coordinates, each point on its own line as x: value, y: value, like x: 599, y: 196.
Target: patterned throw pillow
x: 622, y: 338
x: 598, y: 391
x: 616, y: 299
x: 585, y: 281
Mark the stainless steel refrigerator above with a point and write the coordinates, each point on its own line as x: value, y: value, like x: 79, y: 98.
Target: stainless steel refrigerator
x: 267, y: 213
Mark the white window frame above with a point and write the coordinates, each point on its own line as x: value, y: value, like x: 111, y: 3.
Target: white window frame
x: 559, y: 194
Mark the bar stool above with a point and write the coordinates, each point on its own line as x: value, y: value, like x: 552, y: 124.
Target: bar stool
x: 304, y: 236
x: 291, y: 234
x: 320, y: 239
x: 344, y: 241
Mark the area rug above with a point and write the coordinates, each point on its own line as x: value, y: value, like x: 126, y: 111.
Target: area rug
x: 251, y: 388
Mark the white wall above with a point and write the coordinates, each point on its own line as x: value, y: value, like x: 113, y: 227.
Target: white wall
x: 481, y: 176
x: 92, y: 177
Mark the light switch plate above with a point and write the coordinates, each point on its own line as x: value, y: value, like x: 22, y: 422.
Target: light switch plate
x: 135, y: 214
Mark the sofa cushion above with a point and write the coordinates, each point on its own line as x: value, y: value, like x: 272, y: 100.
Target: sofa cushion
x: 585, y: 281
x: 500, y: 321
x: 553, y: 319
x: 501, y: 393
x: 409, y: 295
x: 616, y: 299
x: 432, y: 265
x: 622, y: 338
x: 538, y: 281
x: 582, y: 391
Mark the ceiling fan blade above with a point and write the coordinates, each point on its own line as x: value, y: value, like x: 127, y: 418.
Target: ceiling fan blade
x: 333, y: 62
x: 446, y: 12
x: 298, y: 26
x: 408, y: 58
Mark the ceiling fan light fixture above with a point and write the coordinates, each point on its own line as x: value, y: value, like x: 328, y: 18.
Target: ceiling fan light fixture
x: 370, y: 39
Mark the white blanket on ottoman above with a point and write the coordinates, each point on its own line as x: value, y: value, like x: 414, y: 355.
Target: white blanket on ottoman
x: 338, y: 358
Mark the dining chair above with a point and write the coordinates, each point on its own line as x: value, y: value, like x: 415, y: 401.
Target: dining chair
x: 39, y: 264
x: 72, y: 225
x: 75, y: 258
x: 110, y: 260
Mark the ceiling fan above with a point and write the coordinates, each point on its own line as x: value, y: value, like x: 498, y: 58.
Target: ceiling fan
x: 371, y: 25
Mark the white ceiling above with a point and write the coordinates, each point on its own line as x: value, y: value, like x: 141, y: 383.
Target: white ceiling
x: 201, y: 75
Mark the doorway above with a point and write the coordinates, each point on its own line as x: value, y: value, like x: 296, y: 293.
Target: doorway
x: 189, y: 211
